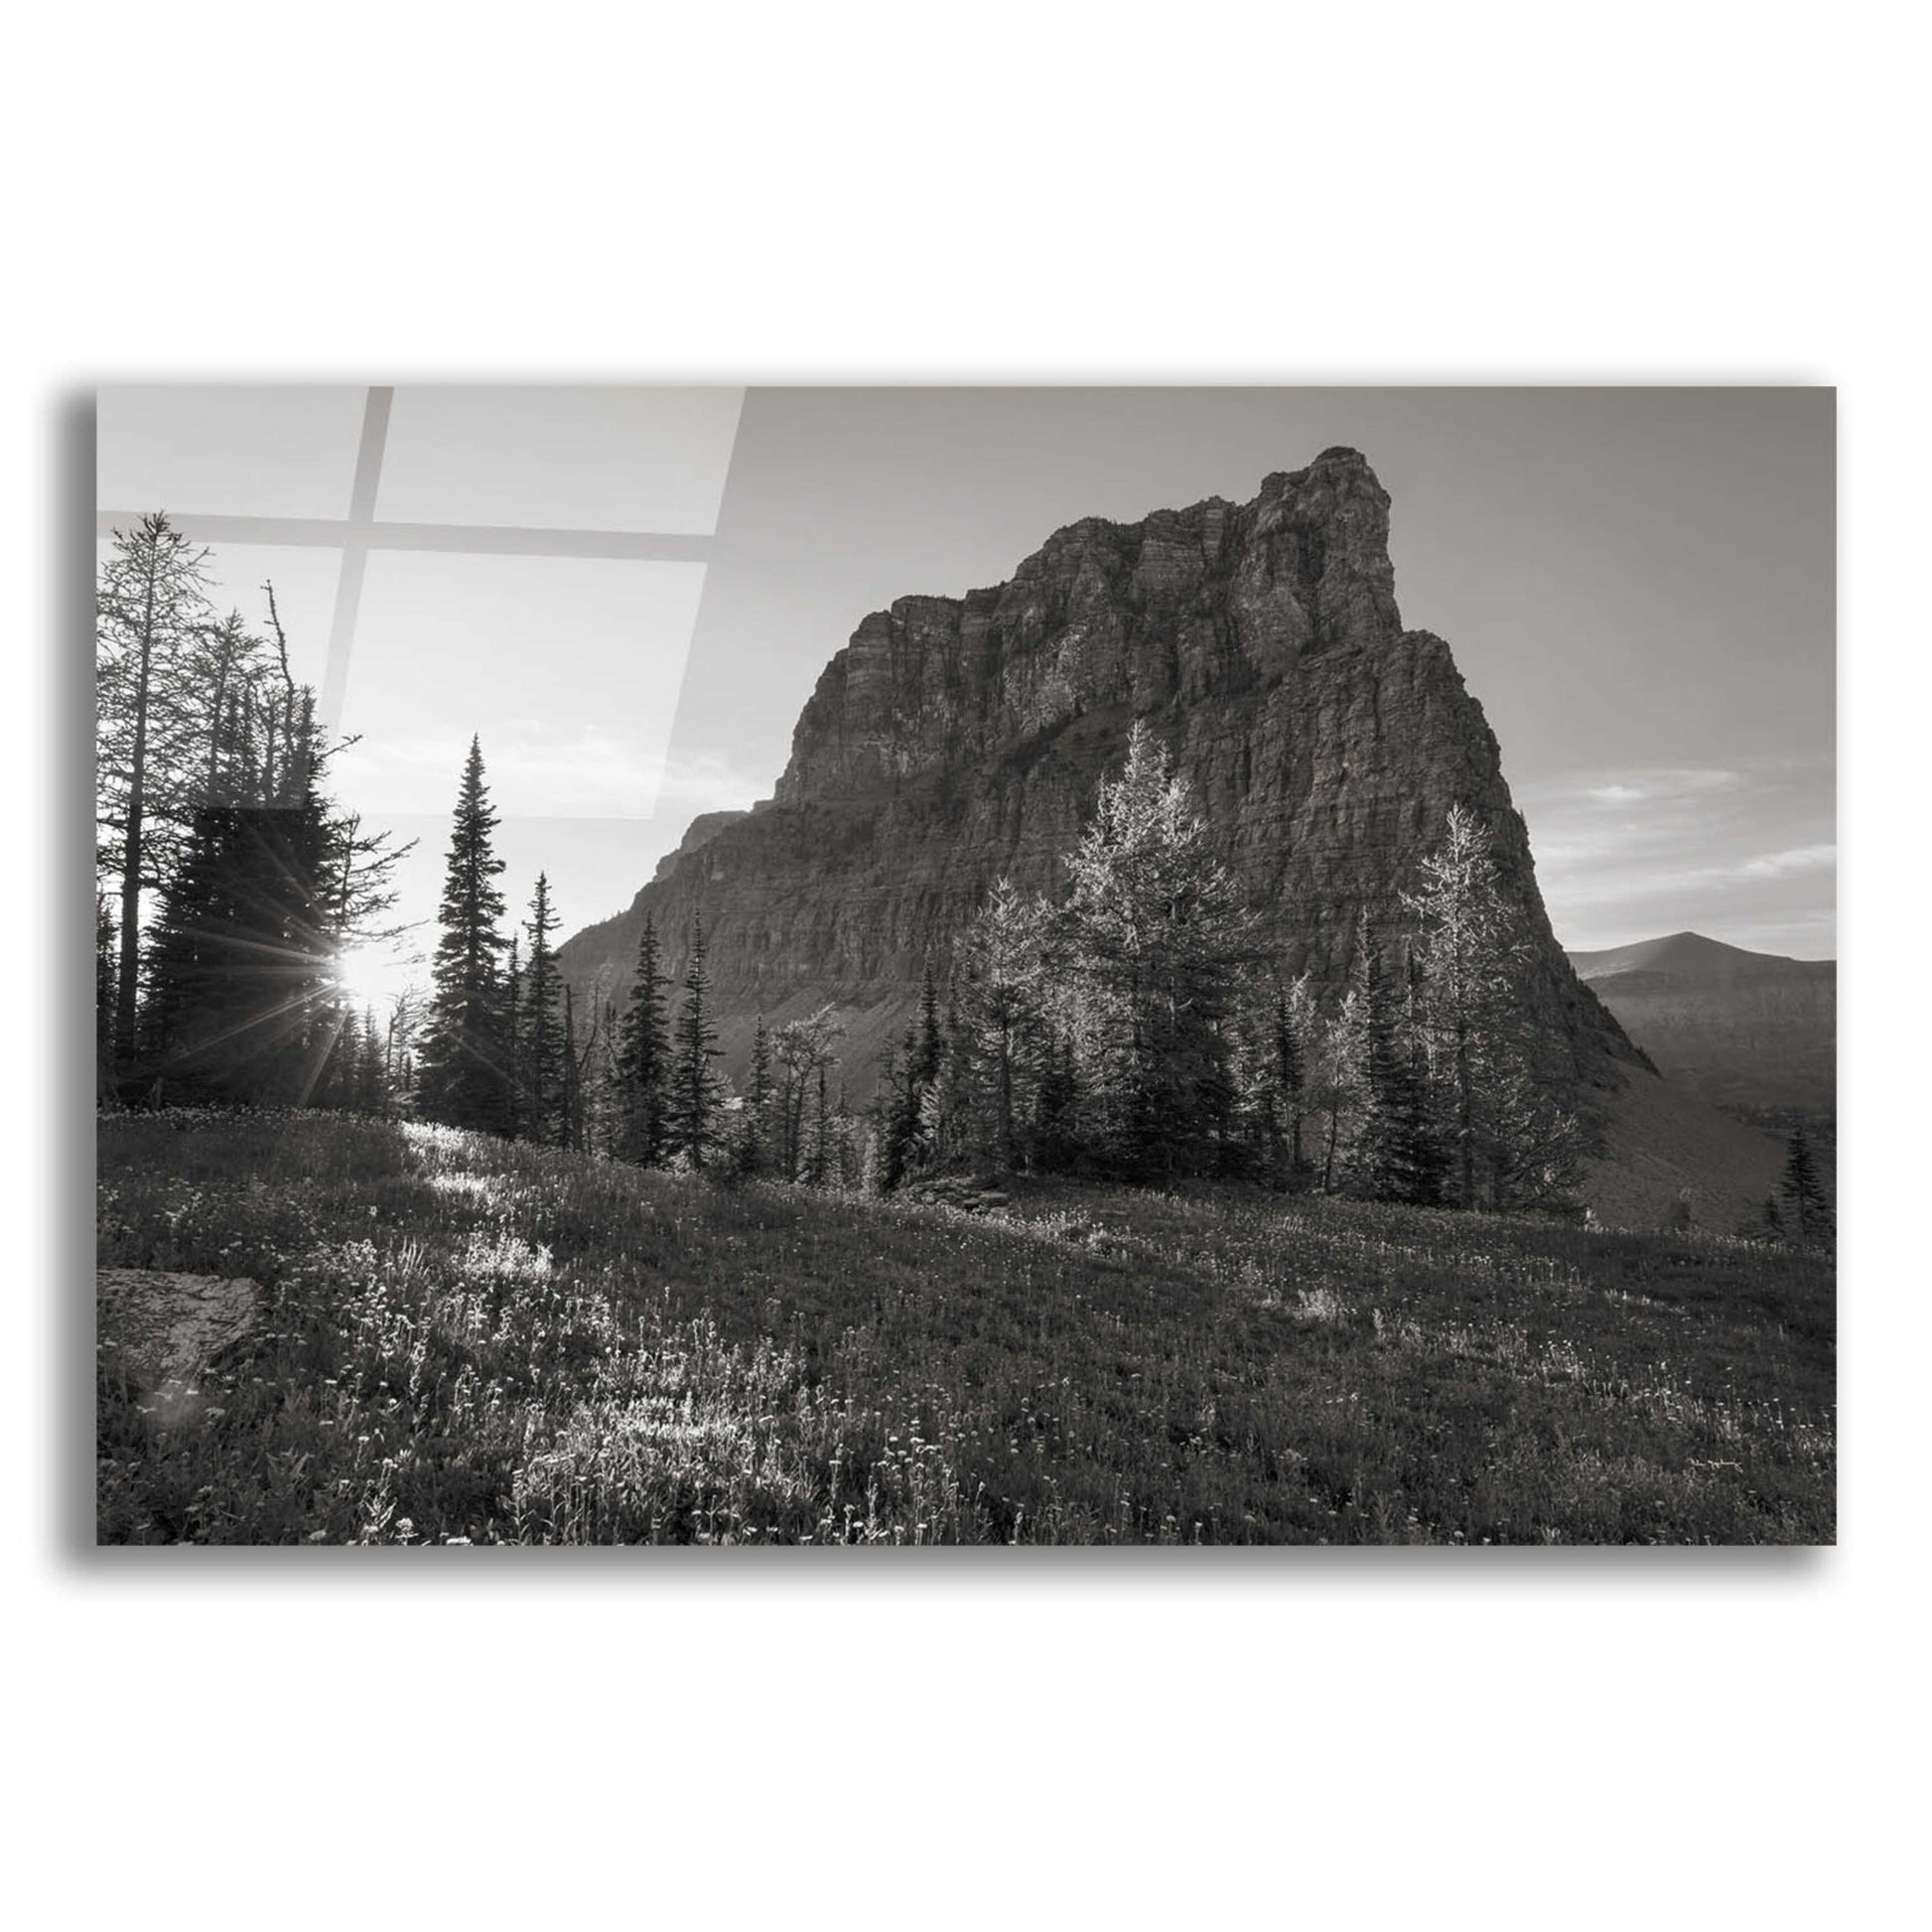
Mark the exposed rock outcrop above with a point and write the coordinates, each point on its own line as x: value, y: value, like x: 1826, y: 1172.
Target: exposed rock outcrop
x: 955, y: 740
x: 700, y: 832
x: 160, y: 1330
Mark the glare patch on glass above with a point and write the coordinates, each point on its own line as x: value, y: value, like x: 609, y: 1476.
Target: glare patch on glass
x: 229, y: 448
x: 559, y: 459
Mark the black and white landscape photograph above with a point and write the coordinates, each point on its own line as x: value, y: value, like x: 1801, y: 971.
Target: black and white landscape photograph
x: 964, y: 965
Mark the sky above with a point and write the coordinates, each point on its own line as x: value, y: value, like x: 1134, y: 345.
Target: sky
x: 628, y: 594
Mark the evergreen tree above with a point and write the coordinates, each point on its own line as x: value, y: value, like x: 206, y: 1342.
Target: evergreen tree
x: 464, y: 1073
x: 885, y: 1150
x: 1056, y: 1137
x: 1460, y: 945
x: 908, y: 1127
x: 931, y: 1049
x: 1394, y: 1155
x: 846, y: 1164
x: 547, y: 1056
x: 1505, y: 1123
x: 241, y: 1006
x: 399, y: 1052
x: 596, y: 1084
x: 754, y: 1150
x: 372, y: 1085
x: 643, y: 1061
x: 1340, y: 1091
x: 1153, y: 941
x: 906, y: 1151
x: 517, y: 1038
x: 819, y: 1162
x: 695, y: 1094
x: 579, y: 1075
x: 1802, y: 1193
x: 1000, y: 1028
x: 1294, y: 1020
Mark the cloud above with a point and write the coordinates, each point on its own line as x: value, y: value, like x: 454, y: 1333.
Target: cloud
x: 1624, y: 854
x: 536, y: 770
x: 1660, y: 785
x: 1799, y: 858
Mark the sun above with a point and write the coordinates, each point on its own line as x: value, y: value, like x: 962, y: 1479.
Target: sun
x: 366, y: 976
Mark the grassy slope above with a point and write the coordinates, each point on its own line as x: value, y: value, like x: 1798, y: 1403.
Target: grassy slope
x: 469, y: 1339
x: 1663, y: 1145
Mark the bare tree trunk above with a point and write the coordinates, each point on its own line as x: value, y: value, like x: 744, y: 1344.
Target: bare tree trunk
x: 127, y: 991
x: 1466, y: 1112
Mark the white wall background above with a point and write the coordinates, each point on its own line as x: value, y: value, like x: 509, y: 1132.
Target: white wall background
x: 1408, y: 193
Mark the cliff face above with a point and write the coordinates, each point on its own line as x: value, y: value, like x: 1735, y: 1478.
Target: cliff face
x: 955, y: 740
x: 701, y: 831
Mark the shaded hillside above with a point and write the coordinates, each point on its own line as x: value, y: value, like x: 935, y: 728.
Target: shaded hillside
x: 955, y: 740
x: 1737, y: 1028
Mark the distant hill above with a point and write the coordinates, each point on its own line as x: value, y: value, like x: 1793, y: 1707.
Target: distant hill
x: 1737, y: 1029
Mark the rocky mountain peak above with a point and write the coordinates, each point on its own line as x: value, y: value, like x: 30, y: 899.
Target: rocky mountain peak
x: 1217, y: 598
x: 955, y: 740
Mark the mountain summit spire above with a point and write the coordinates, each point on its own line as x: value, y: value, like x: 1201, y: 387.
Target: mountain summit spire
x: 958, y: 740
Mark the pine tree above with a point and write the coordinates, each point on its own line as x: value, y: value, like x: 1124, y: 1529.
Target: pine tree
x: 818, y: 1168
x: 464, y: 1073
x: 242, y: 995
x: 398, y: 1056
x: 1293, y: 1019
x: 371, y: 1089
x: 516, y: 1041
x: 1339, y: 1089
x: 906, y: 1151
x: 885, y: 1152
x: 579, y: 1075
x: 932, y: 1040
x: 596, y: 1084
x: 695, y: 1095
x: 910, y: 1142
x: 754, y: 1152
x: 845, y: 1160
x: 644, y: 1061
x: 1394, y: 1157
x: 548, y: 1058
x: 1803, y: 1193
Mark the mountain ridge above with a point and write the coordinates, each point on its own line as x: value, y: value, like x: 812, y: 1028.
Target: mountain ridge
x: 1735, y: 1028
x: 956, y: 740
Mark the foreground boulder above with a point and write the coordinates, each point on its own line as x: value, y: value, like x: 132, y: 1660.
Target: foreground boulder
x: 160, y: 1331
x: 946, y: 1191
